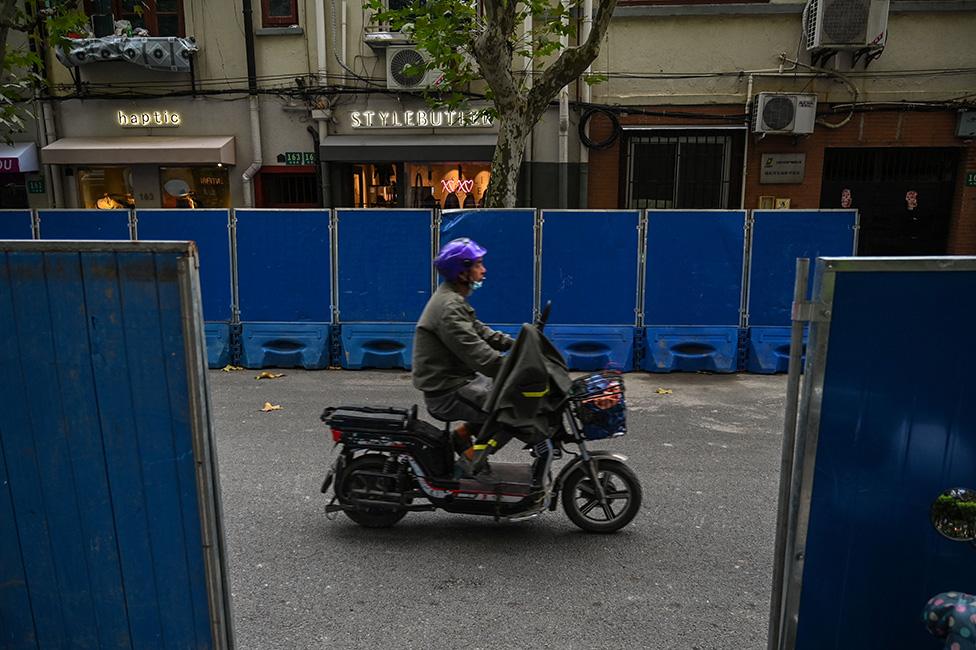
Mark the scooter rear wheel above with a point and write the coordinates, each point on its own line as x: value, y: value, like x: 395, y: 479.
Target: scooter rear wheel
x: 623, y: 497
x: 359, y: 479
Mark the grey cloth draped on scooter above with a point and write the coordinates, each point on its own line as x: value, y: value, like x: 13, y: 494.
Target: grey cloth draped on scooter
x: 529, y: 391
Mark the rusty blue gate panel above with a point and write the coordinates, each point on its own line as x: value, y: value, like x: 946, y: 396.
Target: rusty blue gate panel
x: 887, y: 423
x: 110, y: 533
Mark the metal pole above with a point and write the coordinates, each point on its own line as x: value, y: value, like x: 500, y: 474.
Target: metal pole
x: 789, y: 449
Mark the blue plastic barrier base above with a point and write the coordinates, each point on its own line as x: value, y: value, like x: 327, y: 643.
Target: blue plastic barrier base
x: 285, y: 345
x: 377, y: 345
x: 594, y: 347
x: 769, y: 350
x: 218, y: 344
x: 691, y: 349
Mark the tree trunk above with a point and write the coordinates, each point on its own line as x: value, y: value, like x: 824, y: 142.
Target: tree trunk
x: 513, y: 131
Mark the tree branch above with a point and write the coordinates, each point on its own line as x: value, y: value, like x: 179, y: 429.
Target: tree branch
x: 493, y: 52
x: 572, y: 62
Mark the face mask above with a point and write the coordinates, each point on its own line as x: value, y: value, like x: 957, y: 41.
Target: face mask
x: 477, y: 285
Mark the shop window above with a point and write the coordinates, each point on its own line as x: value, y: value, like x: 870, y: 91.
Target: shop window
x: 106, y: 188
x: 447, y: 185
x: 13, y: 191
x: 159, y: 17
x: 375, y: 185
x: 683, y: 171
x: 194, y: 187
x: 279, y: 13
x: 288, y: 187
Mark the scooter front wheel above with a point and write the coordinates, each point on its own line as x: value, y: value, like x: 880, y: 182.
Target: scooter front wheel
x: 621, y: 489
x: 363, y: 480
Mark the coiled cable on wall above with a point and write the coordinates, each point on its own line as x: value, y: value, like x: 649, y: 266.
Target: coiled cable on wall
x: 614, y: 130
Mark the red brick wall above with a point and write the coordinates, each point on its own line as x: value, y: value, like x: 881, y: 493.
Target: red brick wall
x: 605, y: 166
x: 874, y: 129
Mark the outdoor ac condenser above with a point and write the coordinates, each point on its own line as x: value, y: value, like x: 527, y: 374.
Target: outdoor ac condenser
x: 845, y: 24
x: 404, y: 69
x: 784, y: 113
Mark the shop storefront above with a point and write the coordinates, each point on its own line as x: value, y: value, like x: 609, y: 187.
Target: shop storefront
x: 158, y: 168
x: 147, y: 171
x: 409, y: 157
x: 17, y: 162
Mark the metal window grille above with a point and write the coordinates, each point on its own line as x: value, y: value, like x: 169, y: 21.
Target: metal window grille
x: 283, y: 190
x: 667, y: 171
x: 890, y: 164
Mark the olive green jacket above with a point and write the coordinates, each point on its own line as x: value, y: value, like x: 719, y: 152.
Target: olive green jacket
x: 450, y: 345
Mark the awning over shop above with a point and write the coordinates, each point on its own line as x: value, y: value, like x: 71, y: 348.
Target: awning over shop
x: 379, y: 147
x: 18, y: 157
x: 141, y: 150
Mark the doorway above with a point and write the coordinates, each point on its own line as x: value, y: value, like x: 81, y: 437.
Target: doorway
x: 903, y: 195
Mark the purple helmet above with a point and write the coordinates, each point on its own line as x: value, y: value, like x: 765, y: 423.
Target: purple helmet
x: 457, y: 256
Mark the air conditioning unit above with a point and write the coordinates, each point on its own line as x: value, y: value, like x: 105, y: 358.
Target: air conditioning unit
x: 845, y: 24
x: 784, y: 113
x: 404, y: 69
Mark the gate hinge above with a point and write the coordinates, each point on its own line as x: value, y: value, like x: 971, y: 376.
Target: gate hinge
x: 810, y: 312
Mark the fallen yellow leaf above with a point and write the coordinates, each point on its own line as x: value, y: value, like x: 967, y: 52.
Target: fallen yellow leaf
x: 664, y: 391
x: 268, y: 406
x: 270, y: 375
x: 230, y: 368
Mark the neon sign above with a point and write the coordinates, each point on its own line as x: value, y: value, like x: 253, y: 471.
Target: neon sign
x: 149, y: 119
x: 452, y: 185
x: 419, y: 118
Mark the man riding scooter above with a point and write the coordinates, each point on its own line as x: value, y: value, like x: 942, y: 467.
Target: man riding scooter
x: 455, y: 354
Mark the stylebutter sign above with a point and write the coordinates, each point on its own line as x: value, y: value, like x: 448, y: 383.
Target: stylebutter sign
x: 149, y: 119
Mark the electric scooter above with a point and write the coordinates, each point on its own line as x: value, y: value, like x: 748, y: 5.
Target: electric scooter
x: 390, y: 462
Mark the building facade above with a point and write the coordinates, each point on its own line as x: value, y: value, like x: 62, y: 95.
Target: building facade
x: 889, y: 135
x: 313, y: 109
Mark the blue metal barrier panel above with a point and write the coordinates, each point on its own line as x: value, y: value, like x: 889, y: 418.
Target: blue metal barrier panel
x: 768, y: 350
x: 103, y: 534
x: 84, y: 224
x: 209, y: 229
x: 285, y: 345
x: 779, y: 237
x: 691, y: 349
x: 377, y: 345
x: 694, y: 267
x: 891, y: 424
x: 509, y: 236
x: 16, y: 224
x: 385, y: 264
x: 589, y: 266
x: 283, y: 266
x: 594, y: 347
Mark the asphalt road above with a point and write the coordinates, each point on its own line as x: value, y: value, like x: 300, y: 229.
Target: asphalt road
x: 692, y: 571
